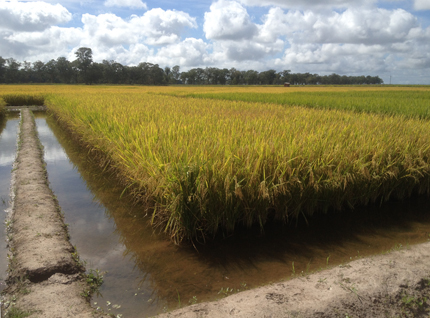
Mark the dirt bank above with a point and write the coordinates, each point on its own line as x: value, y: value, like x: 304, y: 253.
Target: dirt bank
x: 396, y: 284
x: 45, y: 277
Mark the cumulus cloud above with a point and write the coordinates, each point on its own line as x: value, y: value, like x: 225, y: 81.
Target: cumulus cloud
x: 31, y: 16
x: 303, y: 4
x: 365, y: 26
x: 422, y: 5
x: 189, y: 53
x: 126, y: 3
x: 228, y: 20
x: 154, y: 27
x: 163, y: 26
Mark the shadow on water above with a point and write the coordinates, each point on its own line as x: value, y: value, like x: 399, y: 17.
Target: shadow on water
x: 147, y: 274
x: 8, y: 136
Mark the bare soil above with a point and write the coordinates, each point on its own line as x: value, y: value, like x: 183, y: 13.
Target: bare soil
x: 45, y: 278
x: 396, y: 284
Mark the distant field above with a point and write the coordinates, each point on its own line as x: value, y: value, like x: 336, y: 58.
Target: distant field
x: 412, y: 103
x: 212, y: 158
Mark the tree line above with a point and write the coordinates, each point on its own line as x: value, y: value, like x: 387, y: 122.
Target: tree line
x: 84, y: 70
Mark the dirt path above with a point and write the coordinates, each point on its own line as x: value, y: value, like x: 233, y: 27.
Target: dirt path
x: 396, y: 284
x: 45, y: 277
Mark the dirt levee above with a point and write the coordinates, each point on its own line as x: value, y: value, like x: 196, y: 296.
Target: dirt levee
x: 44, y: 277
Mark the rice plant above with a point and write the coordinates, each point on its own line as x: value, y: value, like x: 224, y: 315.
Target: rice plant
x: 412, y: 103
x: 23, y: 99
x: 206, y: 165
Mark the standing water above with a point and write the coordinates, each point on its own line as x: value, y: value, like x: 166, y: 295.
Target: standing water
x: 8, y: 138
x: 146, y: 274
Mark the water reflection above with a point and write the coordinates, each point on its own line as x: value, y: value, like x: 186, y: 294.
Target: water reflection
x: 8, y: 138
x: 147, y: 274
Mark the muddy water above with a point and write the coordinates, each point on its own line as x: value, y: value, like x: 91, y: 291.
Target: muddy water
x: 8, y: 138
x: 147, y: 275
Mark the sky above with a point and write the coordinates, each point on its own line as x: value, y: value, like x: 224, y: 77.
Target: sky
x: 388, y: 38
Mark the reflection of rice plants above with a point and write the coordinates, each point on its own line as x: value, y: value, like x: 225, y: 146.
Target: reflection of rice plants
x: 206, y: 165
x: 2, y: 107
x: 3, y: 201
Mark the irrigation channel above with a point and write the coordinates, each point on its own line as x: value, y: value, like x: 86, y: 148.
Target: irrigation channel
x: 8, y: 140
x: 146, y: 274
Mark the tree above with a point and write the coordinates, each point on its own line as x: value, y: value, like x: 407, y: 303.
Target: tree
x: 84, y: 59
x: 12, y: 70
x: 51, y: 71
x: 267, y: 77
x: 38, y: 72
x: 2, y: 69
x: 65, y: 70
x: 176, y: 72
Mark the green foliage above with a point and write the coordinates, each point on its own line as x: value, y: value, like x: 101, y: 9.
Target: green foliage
x: 94, y: 279
x: 23, y: 100
x: 17, y: 313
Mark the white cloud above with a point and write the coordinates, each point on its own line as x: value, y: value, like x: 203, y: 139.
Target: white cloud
x: 109, y: 30
x: 135, y: 54
x: 364, y: 26
x: 154, y: 27
x: 306, y: 4
x: 228, y: 20
x: 31, y: 16
x: 246, y: 50
x: 43, y: 45
x: 422, y: 5
x: 163, y: 26
x: 126, y: 3
x: 189, y: 53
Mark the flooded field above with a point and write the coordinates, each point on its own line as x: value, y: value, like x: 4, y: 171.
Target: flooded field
x: 146, y: 274
x: 8, y: 137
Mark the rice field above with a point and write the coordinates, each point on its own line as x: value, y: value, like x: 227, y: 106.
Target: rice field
x: 213, y: 158
x: 410, y: 103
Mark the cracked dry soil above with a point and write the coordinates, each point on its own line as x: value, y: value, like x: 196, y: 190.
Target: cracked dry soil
x: 45, y: 279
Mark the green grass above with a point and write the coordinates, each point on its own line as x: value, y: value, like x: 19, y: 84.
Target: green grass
x: 17, y: 313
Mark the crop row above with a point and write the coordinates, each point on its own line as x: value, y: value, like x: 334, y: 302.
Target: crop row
x: 203, y: 166
x: 411, y: 103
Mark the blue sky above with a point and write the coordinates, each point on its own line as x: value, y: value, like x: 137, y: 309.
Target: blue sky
x: 348, y: 37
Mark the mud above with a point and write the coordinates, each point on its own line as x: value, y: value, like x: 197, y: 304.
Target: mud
x: 45, y: 276
x: 396, y: 284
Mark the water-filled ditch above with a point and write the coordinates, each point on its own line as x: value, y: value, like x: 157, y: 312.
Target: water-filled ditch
x: 146, y: 274
x: 8, y: 138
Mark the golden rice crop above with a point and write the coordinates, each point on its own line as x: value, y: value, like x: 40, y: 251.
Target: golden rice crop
x: 203, y: 165
x: 412, y: 103
x: 23, y: 99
